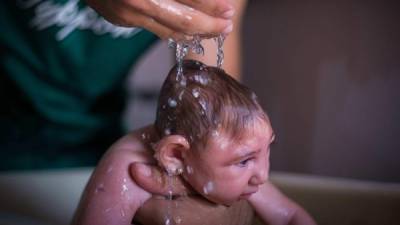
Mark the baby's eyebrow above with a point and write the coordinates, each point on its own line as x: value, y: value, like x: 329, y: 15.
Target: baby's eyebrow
x: 246, y: 154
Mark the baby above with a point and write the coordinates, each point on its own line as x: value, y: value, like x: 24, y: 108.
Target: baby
x: 211, y: 132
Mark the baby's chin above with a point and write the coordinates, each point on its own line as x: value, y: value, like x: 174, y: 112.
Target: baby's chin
x: 222, y: 201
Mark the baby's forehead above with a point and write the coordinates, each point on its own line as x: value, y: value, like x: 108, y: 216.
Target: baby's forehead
x: 261, y: 128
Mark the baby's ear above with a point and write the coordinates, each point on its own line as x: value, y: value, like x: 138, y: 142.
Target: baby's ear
x: 170, y: 151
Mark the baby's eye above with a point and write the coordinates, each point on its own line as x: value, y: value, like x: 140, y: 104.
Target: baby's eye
x: 244, y: 163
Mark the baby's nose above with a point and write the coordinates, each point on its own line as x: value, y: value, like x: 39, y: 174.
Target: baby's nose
x: 259, y: 177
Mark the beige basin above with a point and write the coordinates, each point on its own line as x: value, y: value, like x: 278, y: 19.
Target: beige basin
x: 50, y: 197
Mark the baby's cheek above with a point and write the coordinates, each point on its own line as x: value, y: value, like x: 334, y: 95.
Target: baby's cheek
x: 251, y: 165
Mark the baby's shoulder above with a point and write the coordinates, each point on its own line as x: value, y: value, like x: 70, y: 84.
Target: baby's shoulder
x: 134, y: 146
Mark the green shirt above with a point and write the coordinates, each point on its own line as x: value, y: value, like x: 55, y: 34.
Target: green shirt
x: 62, y: 73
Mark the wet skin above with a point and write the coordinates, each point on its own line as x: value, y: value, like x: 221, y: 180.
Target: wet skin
x: 236, y: 169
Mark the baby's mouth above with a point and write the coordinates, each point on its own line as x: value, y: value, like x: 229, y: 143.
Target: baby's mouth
x: 247, y: 194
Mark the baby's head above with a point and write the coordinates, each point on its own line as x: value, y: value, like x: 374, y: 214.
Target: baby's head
x: 212, y: 130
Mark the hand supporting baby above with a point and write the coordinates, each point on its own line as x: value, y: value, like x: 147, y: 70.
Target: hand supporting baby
x: 272, y: 206
x: 185, y: 202
x: 153, y: 179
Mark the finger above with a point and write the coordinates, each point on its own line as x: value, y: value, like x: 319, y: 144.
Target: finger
x: 153, y: 180
x: 160, y: 30
x: 180, y: 18
x: 218, y: 8
x: 129, y: 17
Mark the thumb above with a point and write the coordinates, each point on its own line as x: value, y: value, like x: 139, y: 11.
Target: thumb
x: 152, y: 179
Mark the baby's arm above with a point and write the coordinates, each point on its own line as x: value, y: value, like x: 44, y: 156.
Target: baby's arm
x: 274, y: 208
x: 111, y: 196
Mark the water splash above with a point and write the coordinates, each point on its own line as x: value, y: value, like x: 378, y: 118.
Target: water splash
x: 182, y: 48
x: 168, y: 214
x: 220, y: 50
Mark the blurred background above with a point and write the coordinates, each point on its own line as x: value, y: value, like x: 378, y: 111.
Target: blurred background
x: 328, y: 74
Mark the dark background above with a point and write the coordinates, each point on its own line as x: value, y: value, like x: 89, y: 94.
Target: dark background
x: 328, y: 73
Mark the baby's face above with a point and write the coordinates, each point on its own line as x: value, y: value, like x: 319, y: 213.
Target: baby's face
x: 229, y: 170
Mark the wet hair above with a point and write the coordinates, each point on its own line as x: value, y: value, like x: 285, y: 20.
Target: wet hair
x: 204, y: 100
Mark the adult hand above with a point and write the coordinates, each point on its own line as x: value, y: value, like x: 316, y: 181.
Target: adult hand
x: 153, y: 212
x: 152, y: 179
x: 169, y: 18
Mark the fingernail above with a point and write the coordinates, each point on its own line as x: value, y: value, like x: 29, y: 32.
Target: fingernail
x: 143, y: 169
x: 228, y: 14
x: 228, y: 29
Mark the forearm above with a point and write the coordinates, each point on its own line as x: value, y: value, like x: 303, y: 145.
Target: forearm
x: 300, y: 217
x: 275, y: 208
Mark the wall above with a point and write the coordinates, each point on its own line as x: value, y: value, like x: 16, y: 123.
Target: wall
x: 328, y: 73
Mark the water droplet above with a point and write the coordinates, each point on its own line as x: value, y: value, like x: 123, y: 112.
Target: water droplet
x: 122, y: 213
x: 208, y: 187
x: 203, y: 104
x: 189, y: 169
x: 195, y: 92
x: 183, y: 82
x: 254, y: 96
x: 172, y: 103
x: 99, y: 188
x: 223, y: 145
x: 215, y: 133
x: 124, y: 188
x: 107, y: 210
x: 109, y: 169
x: 178, y: 220
x: 181, y: 95
x: 201, y: 79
